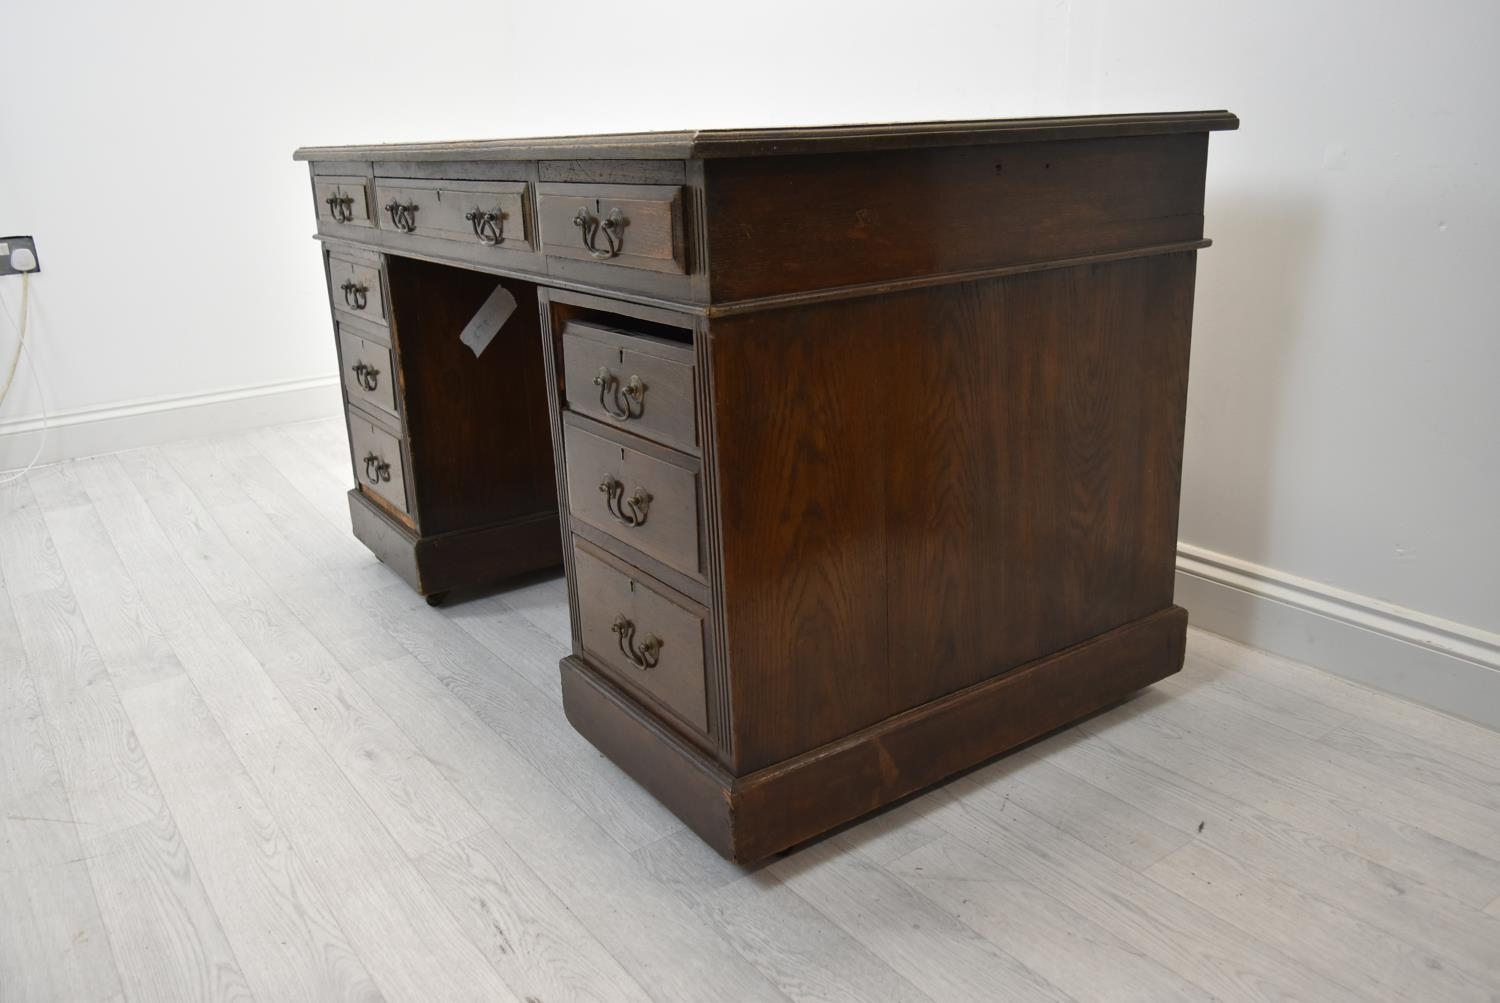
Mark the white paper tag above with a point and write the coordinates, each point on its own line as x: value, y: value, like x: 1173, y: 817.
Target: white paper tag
x: 487, y: 322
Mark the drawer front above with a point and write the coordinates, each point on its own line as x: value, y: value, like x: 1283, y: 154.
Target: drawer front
x: 634, y: 226
x: 648, y: 503
x: 356, y: 288
x: 479, y: 213
x: 640, y: 384
x: 650, y: 642
x: 369, y: 371
x: 378, y: 464
x: 342, y: 201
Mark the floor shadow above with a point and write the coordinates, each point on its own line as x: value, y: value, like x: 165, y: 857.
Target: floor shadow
x: 510, y: 586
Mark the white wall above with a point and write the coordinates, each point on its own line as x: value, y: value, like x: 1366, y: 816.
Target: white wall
x: 1342, y: 424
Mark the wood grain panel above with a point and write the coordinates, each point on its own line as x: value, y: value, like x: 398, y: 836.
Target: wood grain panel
x: 801, y: 433
x: 784, y: 224
x: 379, y: 463
x: 651, y: 225
x: 1033, y: 493
x: 369, y: 370
x: 617, y: 172
x: 356, y: 287
x: 441, y: 209
x: 605, y: 592
x: 668, y: 485
x: 666, y: 410
x: 342, y: 201
x: 969, y: 477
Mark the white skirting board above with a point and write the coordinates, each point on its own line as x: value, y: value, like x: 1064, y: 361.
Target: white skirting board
x: 114, y: 427
x: 1448, y: 666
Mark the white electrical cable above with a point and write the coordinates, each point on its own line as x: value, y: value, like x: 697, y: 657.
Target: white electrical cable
x: 15, y: 361
x: 15, y: 358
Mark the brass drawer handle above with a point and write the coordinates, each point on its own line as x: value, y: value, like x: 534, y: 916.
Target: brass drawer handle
x: 340, y: 207
x: 487, y: 226
x: 634, y: 391
x: 628, y: 511
x: 368, y: 376
x: 356, y: 296
x: 612, y: 226
x: 376, y: 469
x: 643, y: 657
x: 401, y: 215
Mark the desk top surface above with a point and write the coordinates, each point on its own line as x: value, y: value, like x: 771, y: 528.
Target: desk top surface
x: 717, y: 143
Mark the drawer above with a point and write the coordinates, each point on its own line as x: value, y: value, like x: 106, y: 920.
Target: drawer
x: 641, y: 383
x: 369, y: 370
x: 649, y: 503
x: 634, y: 226
x: 342, y: 201
x: 479, y: 213
x: 378, y: 464
x: 645, y: 639
x: 356, y: 288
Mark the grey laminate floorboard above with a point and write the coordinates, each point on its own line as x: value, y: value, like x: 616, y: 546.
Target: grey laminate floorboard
x: 52, y: 940
x: 523, y: 717
x: 1334, y: 817
x: 238, y: 759
x: 419, y: 808
x: 1056, y: 941
x: 590, y: 873
x: 259, y: 887
x: 923, y: 941
x: 796, y: 947
x: 165, y: 935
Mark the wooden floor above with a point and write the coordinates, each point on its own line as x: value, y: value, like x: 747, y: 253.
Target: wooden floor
x: 240, y: 760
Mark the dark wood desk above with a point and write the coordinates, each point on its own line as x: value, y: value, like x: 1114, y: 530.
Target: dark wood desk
x: 860, y: 446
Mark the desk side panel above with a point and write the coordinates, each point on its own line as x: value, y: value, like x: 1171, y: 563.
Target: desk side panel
x: 925, y: 490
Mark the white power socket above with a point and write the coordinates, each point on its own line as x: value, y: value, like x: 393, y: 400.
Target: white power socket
x: 17, y: 255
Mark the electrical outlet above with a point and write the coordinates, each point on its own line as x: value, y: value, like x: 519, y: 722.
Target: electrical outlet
x: 9, y: 246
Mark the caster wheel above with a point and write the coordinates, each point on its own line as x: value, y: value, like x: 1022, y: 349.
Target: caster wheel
x: 436, y: 598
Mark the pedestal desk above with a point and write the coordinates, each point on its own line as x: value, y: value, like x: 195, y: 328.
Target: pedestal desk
x: 860, y: 446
